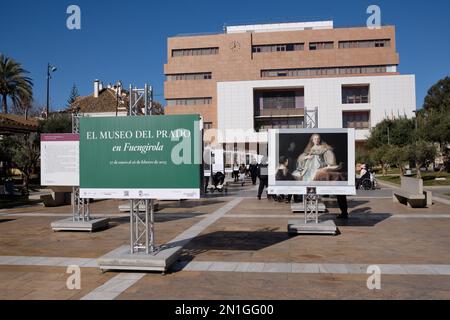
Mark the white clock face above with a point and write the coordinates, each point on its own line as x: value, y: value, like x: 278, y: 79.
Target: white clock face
x: 235, y: 45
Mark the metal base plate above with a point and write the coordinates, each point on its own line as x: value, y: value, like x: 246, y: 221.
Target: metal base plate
x: 122, y: 259
x: 88, y: 226
x: 300, y: 207
x: 300, y: 227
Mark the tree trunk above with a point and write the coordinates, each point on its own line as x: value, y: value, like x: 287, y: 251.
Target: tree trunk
x: 384, y: 168
x: 4, y: 104
x: 26, y: 183
x: 419, y: 174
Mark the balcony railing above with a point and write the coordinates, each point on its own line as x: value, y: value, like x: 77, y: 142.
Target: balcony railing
x: 282, y: 112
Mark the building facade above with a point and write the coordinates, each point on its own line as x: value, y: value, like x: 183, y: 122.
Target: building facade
x: 257, y: 77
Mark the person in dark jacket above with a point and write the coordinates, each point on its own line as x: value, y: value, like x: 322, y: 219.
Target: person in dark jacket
x: 253, y: 171
x: 263, y: 175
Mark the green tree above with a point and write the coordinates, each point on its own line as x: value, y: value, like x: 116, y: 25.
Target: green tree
x: 434, y: 126
x: 24, y: 152
x: 73, y: 96
x: 14, y: 84
x: 397, y: 132
x: 438, y: 97
x: 365, y: 156
x: 381, y: 156
x: 5, y: 156
x: 421, y: 153
x: 56, y: 123
x: 397, y: 156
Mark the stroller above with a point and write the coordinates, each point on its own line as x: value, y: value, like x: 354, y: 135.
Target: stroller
x: 218, y: 179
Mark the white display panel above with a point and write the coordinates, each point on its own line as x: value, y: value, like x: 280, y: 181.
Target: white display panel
x: 60, y: 159
x: 320, y: 158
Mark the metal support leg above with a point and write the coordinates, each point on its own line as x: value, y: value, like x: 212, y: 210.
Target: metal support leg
x: 80, y: 206
x: 142, y: 233
x: 311, y: 202
x: 152, y: 226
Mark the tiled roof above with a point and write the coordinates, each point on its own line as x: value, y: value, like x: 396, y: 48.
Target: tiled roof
x: 11, y: 123
x: 106, y: 102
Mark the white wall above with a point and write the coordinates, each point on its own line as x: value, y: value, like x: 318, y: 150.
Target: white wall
x: 274, y: 27
x: 390, y: 95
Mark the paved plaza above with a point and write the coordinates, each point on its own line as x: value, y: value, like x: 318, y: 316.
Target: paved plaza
x: 238, y: 248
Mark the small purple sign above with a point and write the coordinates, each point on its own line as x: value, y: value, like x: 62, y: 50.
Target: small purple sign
x: 49, y: 137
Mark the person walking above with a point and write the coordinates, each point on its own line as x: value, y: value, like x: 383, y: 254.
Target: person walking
x: 343, y: 206
x: 242, y: 173
x: 262, y: 173
x: 253, y: 171
x: 235, y: 172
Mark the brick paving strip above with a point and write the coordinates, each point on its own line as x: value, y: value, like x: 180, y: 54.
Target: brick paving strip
x: 115, y: 286
x: 47, y: 261
x: 316, y: 268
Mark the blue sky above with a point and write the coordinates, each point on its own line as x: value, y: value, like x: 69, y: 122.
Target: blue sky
x: 126, y: 40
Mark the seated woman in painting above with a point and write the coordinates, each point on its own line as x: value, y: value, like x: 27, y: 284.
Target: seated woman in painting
x: 318, y: 162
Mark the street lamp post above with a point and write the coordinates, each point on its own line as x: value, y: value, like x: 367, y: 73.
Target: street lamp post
x: 50, y: 69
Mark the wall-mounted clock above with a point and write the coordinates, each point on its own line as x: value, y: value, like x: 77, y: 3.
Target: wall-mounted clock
x: 235, y: 46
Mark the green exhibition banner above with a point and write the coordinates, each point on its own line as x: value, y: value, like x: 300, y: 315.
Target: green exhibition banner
x: 140, y: 157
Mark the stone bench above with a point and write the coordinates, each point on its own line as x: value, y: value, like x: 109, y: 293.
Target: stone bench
x: 411, y: 193
x: 59, y: 196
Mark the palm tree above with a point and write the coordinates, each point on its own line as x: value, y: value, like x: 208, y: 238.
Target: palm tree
x: 13, y: 83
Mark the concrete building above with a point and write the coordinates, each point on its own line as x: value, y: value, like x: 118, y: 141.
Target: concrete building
x: 256, y: 77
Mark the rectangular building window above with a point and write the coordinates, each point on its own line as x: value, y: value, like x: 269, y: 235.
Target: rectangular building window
x: 188, y: 101
x: 278, y: 100
x: 355, y: 94
x: 194, y: 52
x: 321, y: 45
x: 278, y: 47
x: 190, y: 76
x: 364, y: 43
x: 207, y: 125
x: 312, y: 72
x: 356, y: 119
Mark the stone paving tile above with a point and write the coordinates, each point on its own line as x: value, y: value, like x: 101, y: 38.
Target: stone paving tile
x: 197, y: 265
x: 305, y: 268
x: 277, y: 267
x: 27, y: 282
x: 329, y: 268
x: 32, y: 236
x: 222, y: 266
x: 443, y: 270
x: 372, y: 240
x: 370, y: 236
x: 226, y: 285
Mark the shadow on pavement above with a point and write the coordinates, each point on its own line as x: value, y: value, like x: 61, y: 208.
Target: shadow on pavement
x: 6, y: 220
x: 235, y: 240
